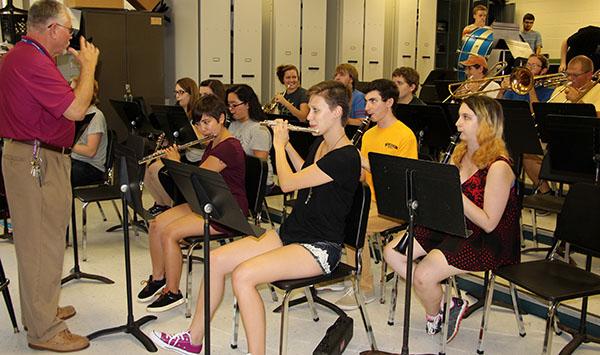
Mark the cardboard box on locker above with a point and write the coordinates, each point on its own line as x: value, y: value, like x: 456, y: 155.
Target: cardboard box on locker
x: 143, y: 4
x: 100, y: 4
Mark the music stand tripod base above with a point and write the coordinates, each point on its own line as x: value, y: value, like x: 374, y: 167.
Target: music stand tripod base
x: 76, y: 273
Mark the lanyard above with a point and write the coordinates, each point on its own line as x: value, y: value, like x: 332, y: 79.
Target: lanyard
x: 32, y: 43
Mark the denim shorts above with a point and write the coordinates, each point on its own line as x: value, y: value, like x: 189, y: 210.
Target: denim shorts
x: 327, y: 254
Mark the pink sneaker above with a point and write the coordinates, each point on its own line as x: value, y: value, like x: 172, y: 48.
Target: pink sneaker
x: 180, y: 342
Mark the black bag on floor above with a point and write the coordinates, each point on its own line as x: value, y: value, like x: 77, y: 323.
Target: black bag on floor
x: 336, y: 338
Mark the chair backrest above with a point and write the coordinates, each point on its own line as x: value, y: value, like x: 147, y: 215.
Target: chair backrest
x: 356, y: 221
x: 256, y: 183
x: 578, y: 222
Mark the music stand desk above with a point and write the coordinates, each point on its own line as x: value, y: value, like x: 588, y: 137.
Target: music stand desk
x: 428, y: 122
x: 404, y: 187
x: 174, y: 122
x: 543, y: 109
x: 132, y: 115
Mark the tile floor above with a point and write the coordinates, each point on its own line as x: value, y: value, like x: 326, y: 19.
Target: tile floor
x: 100, y: 306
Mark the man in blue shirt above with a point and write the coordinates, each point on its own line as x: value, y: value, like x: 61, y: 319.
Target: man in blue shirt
x: 348, y: 75
x: 533, y: 38
x: 538, y: 65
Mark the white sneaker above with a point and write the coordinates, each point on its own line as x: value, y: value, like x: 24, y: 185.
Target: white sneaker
x: 332, y: 287
x: 348, y: 301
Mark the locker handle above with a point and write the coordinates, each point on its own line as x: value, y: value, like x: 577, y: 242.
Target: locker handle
x: 353, y: 61
x: 247, y: 75
x: 215, y: 75
x: 373, y: 62
x: 313, y: 68
x: 426, y: 57
x: 406, y: 56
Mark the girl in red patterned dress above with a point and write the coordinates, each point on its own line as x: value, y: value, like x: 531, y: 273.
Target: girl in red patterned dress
x: 491, y: 210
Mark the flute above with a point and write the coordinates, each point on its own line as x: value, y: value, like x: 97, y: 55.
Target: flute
x: 271, y: 123
x: 161, y: 153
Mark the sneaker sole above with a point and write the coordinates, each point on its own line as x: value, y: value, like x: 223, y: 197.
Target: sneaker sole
x: 460, y: 318
x: 331, y: 288
x: 150, y: 298
x: 39, y: 347
x: 165, y: 346
x: 165, y: 308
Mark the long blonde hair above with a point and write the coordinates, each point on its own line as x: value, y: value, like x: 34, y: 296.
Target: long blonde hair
x: 489, y: 136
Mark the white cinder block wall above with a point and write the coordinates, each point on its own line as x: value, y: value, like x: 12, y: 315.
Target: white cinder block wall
x: 556, y: 20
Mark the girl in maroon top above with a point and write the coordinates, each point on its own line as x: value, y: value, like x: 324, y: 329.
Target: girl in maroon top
x: 224, y: 155
x: 491, y: 209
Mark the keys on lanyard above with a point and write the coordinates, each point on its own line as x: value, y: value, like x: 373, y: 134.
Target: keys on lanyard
x: 36, y: 161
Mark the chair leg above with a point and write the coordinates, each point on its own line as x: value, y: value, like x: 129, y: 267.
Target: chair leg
x: 266, y: 209
x: 188, y: 282
x: 518, y: 316
x: 84, y: 231
x: 382, y: 279
x: 117, y: 210
x: 534, y: 226
x: 273, y: 294
x: 393, y: 300
x: 486, y: 312
x: 236, y: 324
x: 311, y: 303
x: 447, y: 302
x: 547, y: 349
x: 101, y: 211
x: 284, y: 324
x: 360, y: 300
x: 4, y: 282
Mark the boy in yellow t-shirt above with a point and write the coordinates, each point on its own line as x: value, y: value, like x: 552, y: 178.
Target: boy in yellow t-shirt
x: 389, y: 136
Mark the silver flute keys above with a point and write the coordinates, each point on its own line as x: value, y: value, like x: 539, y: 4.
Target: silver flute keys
x: 271, y: 123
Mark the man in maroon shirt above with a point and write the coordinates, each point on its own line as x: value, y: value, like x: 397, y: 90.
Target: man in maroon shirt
x: 37, y: 110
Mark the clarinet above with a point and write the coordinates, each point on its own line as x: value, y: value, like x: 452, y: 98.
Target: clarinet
x: 364, y: 125
x: 403, y: 243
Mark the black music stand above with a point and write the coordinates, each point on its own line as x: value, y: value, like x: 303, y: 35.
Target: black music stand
x: 208, y: 195
x: 428, y: 122
x: 574, y: 147
x: 132, y: 115
x: 80, y: 126
x: 433, y: 198
x: 520, y: 134
x: 174, y: 122
x: 131, y: 196
x: 451, y: 111
x: 543, y: 109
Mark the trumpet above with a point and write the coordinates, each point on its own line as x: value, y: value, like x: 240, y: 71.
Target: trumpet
x: 161, y: 153
x: 272, y: 105
x: 271, y: 123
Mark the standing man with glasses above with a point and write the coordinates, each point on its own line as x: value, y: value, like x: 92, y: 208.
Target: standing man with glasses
x: 533, y: 38
x: 37, y: 110
x: 579, y: 72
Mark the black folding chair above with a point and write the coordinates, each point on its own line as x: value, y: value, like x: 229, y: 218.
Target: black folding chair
x: 355, y: 231
x: 554, y: 280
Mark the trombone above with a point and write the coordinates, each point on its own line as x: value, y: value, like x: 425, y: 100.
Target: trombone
x: 521, y: 82
x: 462, y: 91
x: 582, y: 92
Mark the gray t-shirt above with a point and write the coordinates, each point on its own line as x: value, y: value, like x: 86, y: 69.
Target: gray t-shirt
x: 253, y: 136
x: 97, y: 125
x: 533, y: 38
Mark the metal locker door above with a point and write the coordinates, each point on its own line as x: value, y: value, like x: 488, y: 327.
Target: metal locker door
x: 286, y: 38
x: 426, y: 37
x: 314, y: 24
x: 215, y: 38
x: 351, y: 33
x: 406, y: 30
x: 373, y: 44
x: 247, y: 43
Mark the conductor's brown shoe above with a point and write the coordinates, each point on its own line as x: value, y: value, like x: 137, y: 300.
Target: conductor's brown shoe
x: 63, y: 342
x: 65, y: 312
